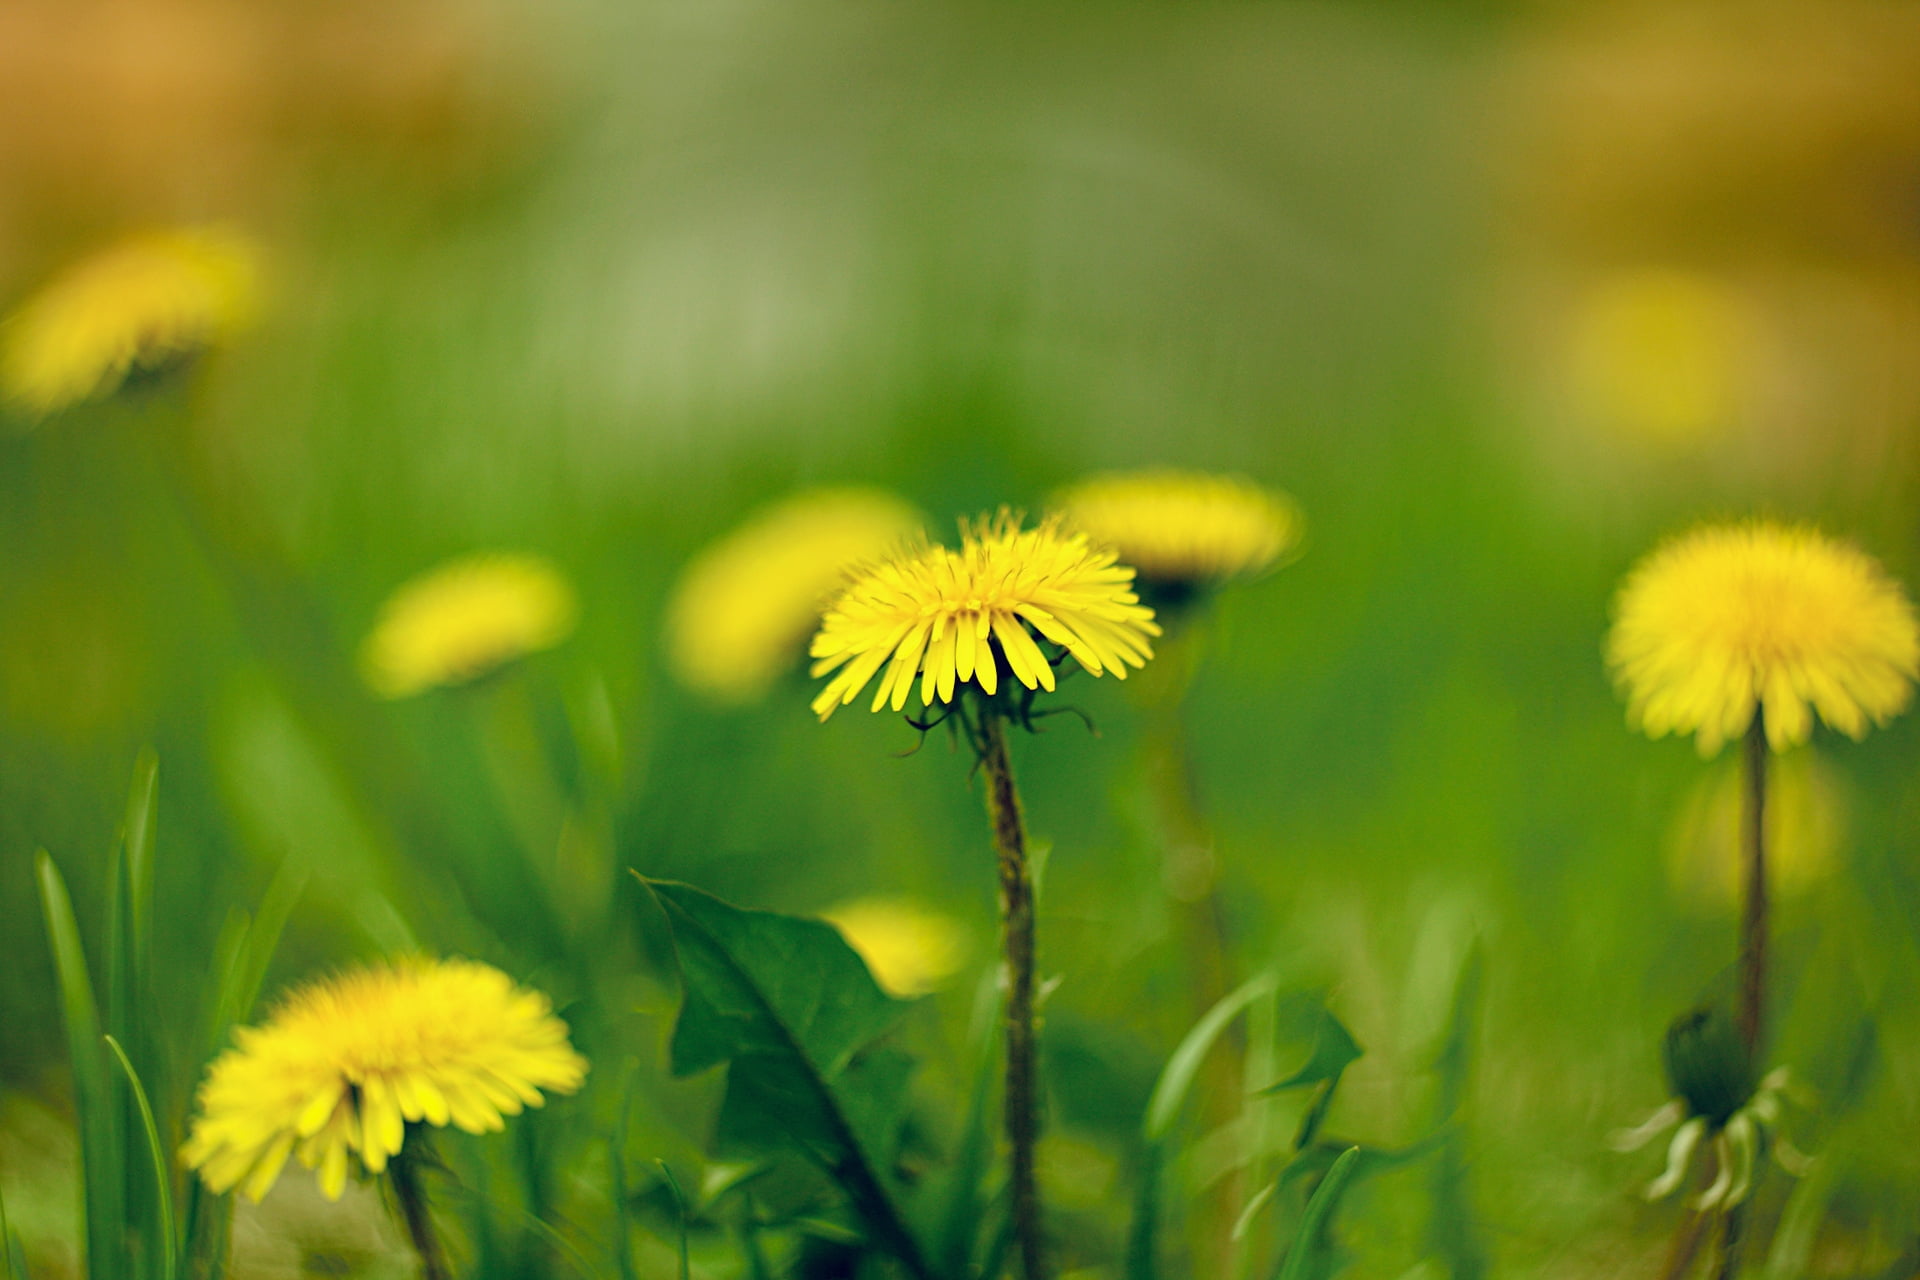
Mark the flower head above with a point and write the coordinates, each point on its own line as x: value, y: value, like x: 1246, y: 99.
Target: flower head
x: 744, y: 607
x: 464, y: 619
x: 135, y: 307
x: 1731, y: 621
x: 952, y: 617
x: 1183, y: 529
x: 346, y: 1063
x: 910, y: 948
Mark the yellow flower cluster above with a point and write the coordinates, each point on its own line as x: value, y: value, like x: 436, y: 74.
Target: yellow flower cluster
x: 464, y: 619
x: 346, y: 1063
x: 1184, y: 528
x: 744, y: 607
x: 949, y: 618
x: 1733, y: 620
x: 138, y: 306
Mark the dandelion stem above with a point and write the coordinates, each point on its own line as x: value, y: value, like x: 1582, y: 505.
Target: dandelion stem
x: 1016, y: 914
x: 403, y: 1174
x: 1753, y: 919
x: 1753, y: 944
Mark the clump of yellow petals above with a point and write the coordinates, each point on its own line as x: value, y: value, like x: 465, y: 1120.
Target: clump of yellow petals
x: 464, y: 619
x: 911, y: 949
x: 1184, y: 528
x: 137, y: 306
x: 1806, y: 820
x: 950, y: 617
x: 744, y: 607
x: 1732, y: 620
x: 346, y: 1063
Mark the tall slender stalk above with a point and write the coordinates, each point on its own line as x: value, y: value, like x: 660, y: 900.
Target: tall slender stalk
x: 1753, y: 916
x: 403, y: 1175
x: 1753, y: 944
x: 1016, y: 916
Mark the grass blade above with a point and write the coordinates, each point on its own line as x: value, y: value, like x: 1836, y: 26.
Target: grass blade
x: 11, y: 1253
x: 680, y: 1212
x: 142, y: 817
x: 162, y: 1187
x: 618, y: 1191
x: 1304, y: 1257
x: 103, y: 1179
x: 1177, y: 1077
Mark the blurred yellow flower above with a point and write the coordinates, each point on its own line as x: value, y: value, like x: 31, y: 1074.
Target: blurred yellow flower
x: 911, y: 949
x: 346, y: 1063
x: 135, y: 307
x: 1183, y: 529
x: 744, y: 607
x: 1805, y: 817
x: 464, y: 619
x: 1664, y: 356
x: 951, y: 617
x: 1732, y: 620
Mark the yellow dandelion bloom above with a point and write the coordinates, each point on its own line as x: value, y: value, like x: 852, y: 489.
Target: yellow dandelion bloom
x: 911, y: 949
x: 744, y: 607
x: 464, y: 619
x: 1733, y: 620
x: 1184, y: 529
x: 135, y: 307
x: 952, y: 617
x: 345, y: 1064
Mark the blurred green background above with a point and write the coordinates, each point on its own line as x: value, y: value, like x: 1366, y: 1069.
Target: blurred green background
x: 1501, y: 293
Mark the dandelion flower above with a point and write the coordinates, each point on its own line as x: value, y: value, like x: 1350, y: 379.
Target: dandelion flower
x: 744, y: 607
x: 345, y: 1064
x: 464, y: 619
x: 134, y: 308
x: 911, y: 949
x: 1731, y: 621
x: 1183, y: 530
x: 952, y: 617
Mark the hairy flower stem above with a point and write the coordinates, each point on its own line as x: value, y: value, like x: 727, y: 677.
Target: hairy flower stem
x: 1016, y: 915
x: 403, y: 1175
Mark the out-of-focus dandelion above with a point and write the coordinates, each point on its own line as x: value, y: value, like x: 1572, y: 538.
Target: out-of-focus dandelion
x: 1183, y: 531
x: 464, y: 619
x: 348, y: 1067
x: 1806, y: 818
x: 1736, y: 625
x: 951, y: 618
x: 911, y: 949
x: 1750, y: 630
x: 744, y: 607
x: 1663, y: 356
x: 137, y: 308
x: 345, y: 1063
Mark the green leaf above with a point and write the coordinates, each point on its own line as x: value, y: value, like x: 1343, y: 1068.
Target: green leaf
x: 157, y: 1156
x: 11, y: 1254
x: 142, y: 808
x: 789, y: 1006
x: 1334, y: 1049
x: 1177, y: 1077
x: 103, y: 1177
x: 1308, y: 1256
x: 1169, y: 1094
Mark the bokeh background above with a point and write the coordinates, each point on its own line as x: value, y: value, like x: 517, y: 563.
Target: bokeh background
x: 1500, y: 293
